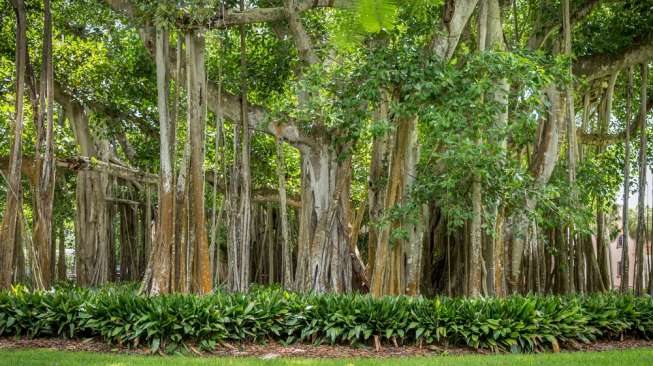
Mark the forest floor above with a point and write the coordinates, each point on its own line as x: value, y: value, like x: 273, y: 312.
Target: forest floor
x: 55, y: 351
x: 49, y: 357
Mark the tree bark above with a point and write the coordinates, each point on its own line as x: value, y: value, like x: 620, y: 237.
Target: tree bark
x: 10, y: 220
x: 44, y: 161
x: 388, y: 269
x: 286, y: 249
x: 602, y: 247
x: 476, y: 238
x: 388, y: 277
x: 323, y: 260
x: 245, y: 207
x: 61, y: 265
x: 240, y: 189
x: 196, y: 79
x: 91, y: 216
x: 216, y: 214
x: 159, y: 266
x: 570, y: 116
x: 641, y: 205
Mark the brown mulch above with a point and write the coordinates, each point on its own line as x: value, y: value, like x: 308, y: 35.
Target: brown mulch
x: 275, y: 349
x: 614, y: 345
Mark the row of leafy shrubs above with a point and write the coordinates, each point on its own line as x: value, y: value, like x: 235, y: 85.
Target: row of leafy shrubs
x: 173, y: 322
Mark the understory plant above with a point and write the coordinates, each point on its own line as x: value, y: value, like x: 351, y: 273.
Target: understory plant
x: 177, y: 322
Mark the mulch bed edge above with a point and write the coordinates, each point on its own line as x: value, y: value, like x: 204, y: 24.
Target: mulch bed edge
x: 274, y: 349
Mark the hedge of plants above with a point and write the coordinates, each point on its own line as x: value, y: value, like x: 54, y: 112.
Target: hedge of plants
x: 174, y: 322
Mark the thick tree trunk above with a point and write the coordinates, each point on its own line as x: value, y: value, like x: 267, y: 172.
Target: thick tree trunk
x: 394, y: 157
x: 180, y: 251
x: 476, y: 230
x: 413, y: 261
x: 389, y: 275
x: 10, y: 219
x: 158, y: 275
x: 91, y: 215
x: 196, y: 79
x: 91, y: 229
x: 44, y: 162
x: 323, y: 260
x: 625, y: 257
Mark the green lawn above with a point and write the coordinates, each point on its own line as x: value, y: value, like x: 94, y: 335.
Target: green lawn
x: 34, y: 357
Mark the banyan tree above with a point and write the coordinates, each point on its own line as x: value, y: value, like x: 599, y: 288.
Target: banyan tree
x: 459, y: 147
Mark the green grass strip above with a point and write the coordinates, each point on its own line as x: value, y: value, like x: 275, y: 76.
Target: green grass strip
x: 40, y: 357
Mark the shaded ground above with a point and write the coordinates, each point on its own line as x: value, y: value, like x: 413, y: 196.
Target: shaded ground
x: 272, y: 350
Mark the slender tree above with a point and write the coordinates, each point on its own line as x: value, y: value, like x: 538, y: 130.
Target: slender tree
x: 641, y: 202
x: 286, y: 249
x: 625, y: 257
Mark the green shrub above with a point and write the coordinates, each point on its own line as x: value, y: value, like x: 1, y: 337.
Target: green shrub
x: 117, y: 314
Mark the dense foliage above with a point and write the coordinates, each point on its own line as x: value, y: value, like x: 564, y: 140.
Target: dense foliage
x: 177, y: 322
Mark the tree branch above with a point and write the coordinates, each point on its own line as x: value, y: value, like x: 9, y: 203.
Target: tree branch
x: 552, y: 25
x: 456, y: 14
x: 257, y: 115
x: 300, y: 36
x: 612, y: 138
x: 63, y: 98
x: 259, y: 15
x: 78, y: 163
x: 601, y: 65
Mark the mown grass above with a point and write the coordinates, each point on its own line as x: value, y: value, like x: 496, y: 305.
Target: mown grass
x: 41, y: 357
